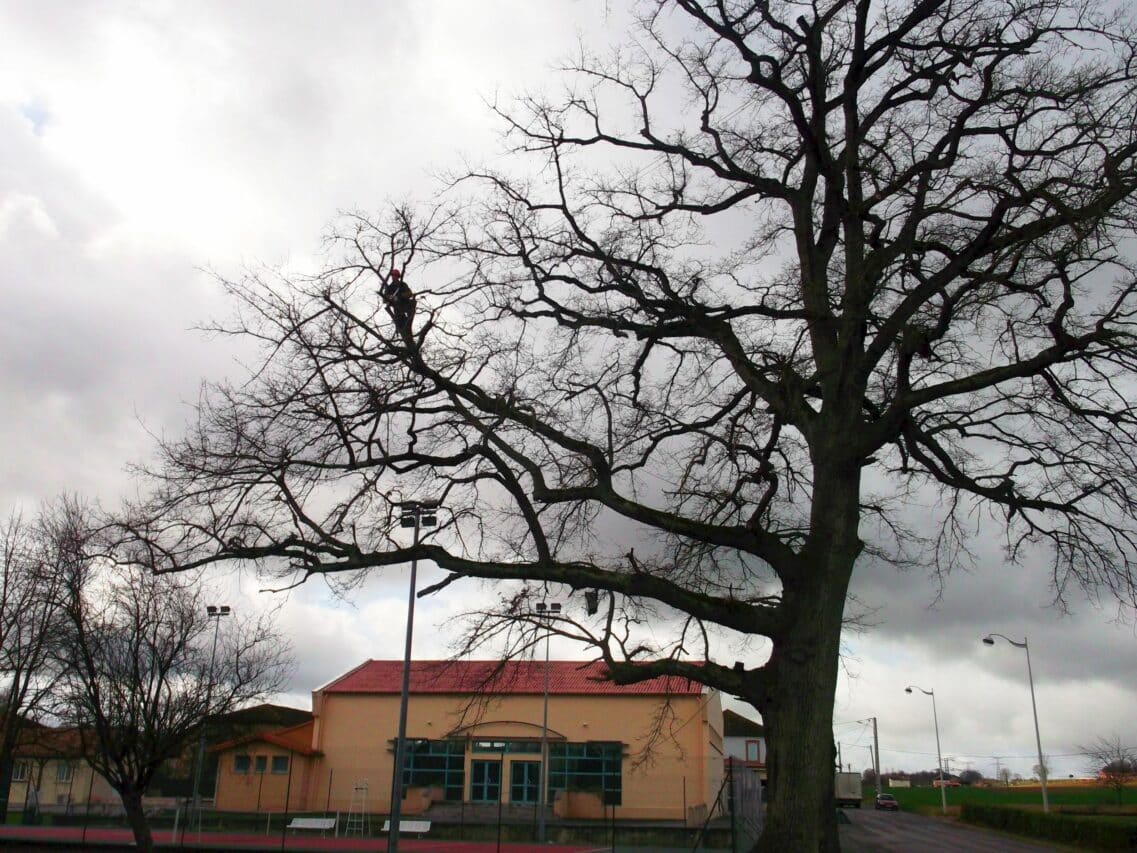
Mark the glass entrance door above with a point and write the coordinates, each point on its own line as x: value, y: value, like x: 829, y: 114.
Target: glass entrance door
x: 485, y: 781
x: 524, y: 781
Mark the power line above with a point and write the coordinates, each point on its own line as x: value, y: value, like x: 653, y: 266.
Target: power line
x: 1003, y: 755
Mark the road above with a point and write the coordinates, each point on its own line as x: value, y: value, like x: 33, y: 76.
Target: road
x: 870, y: 831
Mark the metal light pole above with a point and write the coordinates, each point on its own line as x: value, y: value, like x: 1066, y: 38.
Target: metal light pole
x: 416, y: 514
x: 215, y: 613
x: 545, y: 610
x: 939, y: 755
x: 990, y: 641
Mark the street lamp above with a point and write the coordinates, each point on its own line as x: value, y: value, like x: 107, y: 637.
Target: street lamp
x: 215, y: 613
x: 416, y: 514
x: 545, y: 610
x: 990, y: 641
x: 939, y: 755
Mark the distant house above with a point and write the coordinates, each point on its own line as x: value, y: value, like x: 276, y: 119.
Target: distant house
x: 745, y: 742
x: 474, y: 732
x: 260, y: 769
x: 49, y: 774
x: 233, y: 727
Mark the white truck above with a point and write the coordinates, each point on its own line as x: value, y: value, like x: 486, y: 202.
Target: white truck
x: 847, y: 787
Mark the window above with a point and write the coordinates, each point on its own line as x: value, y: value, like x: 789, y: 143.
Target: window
x: 753, y: 750
x: 261, y: 764
x: 436, y: 762
x: 20, y: 772
x: 241, y: 764
x: 63, y: 772
x: 279, y: 764
x: 508, y: 746
x: 587, y: 767
x: 524, y: 781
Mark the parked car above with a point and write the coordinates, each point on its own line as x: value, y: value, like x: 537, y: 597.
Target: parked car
x: 887, y: 802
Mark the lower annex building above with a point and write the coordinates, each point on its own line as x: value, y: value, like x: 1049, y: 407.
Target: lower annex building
x: 653, y: 750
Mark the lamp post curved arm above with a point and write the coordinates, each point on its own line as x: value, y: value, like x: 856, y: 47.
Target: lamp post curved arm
x: 1025, y: 646
x: 939, y: 754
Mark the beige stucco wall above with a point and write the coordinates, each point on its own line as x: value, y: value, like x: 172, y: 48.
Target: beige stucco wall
x: 353, y: 734
x: 353, y: 738
x: 85, y: 786
x: 256, y: 792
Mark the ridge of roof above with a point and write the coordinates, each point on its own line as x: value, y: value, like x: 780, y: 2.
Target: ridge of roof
x: 502, y: 677
x: 323, y: 688
x: 285, y: 738
x: 736, y: 725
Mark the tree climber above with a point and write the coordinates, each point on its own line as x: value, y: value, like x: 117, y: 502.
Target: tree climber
x: 401, y: 302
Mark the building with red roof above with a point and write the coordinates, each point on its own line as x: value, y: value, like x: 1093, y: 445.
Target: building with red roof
x: 651, y: 750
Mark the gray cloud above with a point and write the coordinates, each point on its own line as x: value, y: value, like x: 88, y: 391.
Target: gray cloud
x: 140, y: 145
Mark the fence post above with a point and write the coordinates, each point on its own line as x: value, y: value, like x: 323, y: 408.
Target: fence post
x: 731, y: 804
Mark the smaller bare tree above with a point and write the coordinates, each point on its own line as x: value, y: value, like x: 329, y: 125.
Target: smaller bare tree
x: 1112, y: 763
x: 29, y: 626
x: 139, y: 675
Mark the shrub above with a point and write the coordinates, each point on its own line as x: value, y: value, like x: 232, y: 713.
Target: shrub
x: 1097, y: 833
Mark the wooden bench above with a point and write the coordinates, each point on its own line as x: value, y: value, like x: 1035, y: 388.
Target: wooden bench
x: 416, y: 826
x: 323, y: 824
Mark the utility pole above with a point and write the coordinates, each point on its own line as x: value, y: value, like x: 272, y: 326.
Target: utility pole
x: 876, y: 750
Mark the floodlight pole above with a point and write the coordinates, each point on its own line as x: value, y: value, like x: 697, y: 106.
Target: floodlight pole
x: 1025, y: 646
x: 417, y: 514
x: 939, y: 755
x: 545, y: 610
x: 215, y: 613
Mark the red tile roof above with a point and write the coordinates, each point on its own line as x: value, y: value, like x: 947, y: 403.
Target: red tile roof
x: 510, y: 677
x: 296, y: 738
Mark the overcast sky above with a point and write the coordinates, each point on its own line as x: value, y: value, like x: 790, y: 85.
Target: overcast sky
x: 143, y: 143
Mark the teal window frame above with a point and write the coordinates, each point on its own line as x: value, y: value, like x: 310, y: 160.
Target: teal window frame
x: 593, y: 766
x: 439, y: 763
x: 508, y: 747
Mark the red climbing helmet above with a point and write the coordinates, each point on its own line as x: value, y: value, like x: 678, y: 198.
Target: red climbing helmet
x: 395, y: 274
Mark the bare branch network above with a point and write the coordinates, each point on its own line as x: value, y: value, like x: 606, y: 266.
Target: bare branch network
x: 763, y: 275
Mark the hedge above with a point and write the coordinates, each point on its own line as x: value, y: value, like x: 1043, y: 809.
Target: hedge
x: 1094, y: 833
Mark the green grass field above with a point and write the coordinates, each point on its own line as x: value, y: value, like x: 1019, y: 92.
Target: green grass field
x: 920, y: 799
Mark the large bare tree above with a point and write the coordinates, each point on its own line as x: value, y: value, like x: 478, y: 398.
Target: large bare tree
x: 140, y: 674
x: 758, y: 279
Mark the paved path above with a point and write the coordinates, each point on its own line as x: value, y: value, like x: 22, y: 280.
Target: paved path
x: 871, y: 831
x: 867, y: 832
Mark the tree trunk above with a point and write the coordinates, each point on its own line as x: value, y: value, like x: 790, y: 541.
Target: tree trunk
x: 802, y: 676
x: 11, y: 733
x: 136, y: 817
x: 7, y: 763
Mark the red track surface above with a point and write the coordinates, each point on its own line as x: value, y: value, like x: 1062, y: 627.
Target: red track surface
x: 248, y: 841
